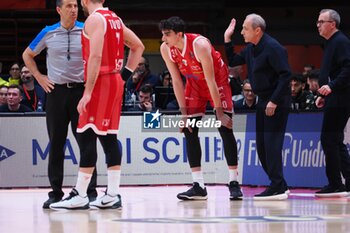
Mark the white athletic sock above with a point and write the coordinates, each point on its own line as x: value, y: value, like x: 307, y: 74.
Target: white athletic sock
x: 83, y: 183
x: 198, y: 177
x: 233, y: 173
x: 113, y: 182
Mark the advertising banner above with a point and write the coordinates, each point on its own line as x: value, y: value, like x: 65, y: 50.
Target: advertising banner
x: 154, y: 157
x: 303, y: 157
x: 154, y: 154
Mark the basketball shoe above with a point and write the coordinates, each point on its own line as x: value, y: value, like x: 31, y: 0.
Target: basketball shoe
x: 196, y: 192
x: 107, y: 202
x: 73, y: 202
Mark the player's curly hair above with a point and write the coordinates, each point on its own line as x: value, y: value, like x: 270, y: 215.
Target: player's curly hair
x: 174, y: 23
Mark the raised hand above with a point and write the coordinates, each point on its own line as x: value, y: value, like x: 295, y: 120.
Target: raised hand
x: 229, y: 31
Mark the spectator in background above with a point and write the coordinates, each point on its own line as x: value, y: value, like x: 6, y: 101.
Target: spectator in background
x: 33, y: 95
x: 145, y: 99
x: 142, y: 75
x: 236, y: 81
x: 3, y: 82
x: 14, y: 98
x: 249, y: 100
x: 165, y: 78
x: 15, y: 76
x: 164, y: 95
x: 307, y: 69
x: 302, y: 99
x: 312, y: 80
x: 3, y: 94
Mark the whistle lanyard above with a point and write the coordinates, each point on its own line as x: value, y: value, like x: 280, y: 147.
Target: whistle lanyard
x: 34, y: 104
x: 138, y: 85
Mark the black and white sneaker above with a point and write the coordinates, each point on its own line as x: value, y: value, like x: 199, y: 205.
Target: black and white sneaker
x: 331, y: 191
x: 235, y: 191
x: 107, y: 202
x: 50, y: 201
x: 194, y: 193
x: 272, y: 194
x: 73, y: 202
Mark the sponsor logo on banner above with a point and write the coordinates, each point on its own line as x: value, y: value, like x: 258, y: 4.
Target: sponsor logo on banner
x: 303, y: 159
x: 153, y: 149
x: 41, y: 152
x: 5, y: 153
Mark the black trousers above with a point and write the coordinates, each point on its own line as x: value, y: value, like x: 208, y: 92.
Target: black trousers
x: 61, y: 109
x: 269, y: 139
x: 336, y: 115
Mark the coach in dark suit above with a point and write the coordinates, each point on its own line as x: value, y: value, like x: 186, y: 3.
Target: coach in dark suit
x: 334, y: 97
x: 269, y: 75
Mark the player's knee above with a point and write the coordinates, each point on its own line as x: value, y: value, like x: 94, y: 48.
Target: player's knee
x: 88, y: 161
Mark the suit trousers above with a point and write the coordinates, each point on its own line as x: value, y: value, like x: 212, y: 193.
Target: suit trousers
x: 270, y: 132
x: 336, y: 115
x: 61, y: 109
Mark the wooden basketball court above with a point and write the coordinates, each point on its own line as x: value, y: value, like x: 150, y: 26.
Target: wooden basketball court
x: 156, y: 209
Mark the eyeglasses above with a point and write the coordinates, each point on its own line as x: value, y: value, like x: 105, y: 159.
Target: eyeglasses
x: 68, y: 49
x: 323, y: 21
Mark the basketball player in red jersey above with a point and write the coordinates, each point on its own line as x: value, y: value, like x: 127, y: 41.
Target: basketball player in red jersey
x: 103, y: 40
x: 193, y: 56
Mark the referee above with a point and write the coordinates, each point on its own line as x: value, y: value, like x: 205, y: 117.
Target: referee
x: 64, y: 85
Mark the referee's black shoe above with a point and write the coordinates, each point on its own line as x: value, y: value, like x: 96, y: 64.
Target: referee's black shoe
x: 49, y: 201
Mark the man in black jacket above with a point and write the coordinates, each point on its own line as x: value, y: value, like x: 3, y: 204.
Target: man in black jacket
x: 334, y: 97
x: 269, y: 75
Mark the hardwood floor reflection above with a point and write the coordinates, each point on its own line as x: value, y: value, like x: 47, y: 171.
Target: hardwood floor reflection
x: 156, y: 209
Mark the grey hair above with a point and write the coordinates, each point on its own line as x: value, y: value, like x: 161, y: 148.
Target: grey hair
x: 59, y: 3
x: 257, y: 21
x: 333, y: 15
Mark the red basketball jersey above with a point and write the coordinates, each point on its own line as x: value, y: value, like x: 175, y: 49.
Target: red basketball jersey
x: 113, y: 48
x: 189, y: 65
x: 196, y: 91
x: 104, y: 108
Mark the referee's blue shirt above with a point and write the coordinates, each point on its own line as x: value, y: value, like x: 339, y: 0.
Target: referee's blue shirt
x: 64, y: 54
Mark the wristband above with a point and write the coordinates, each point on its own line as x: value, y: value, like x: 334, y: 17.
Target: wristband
x: 126, y: 73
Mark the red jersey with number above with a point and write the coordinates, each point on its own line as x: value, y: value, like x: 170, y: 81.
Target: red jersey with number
x: 104, y: 108
x: 197, y: 92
